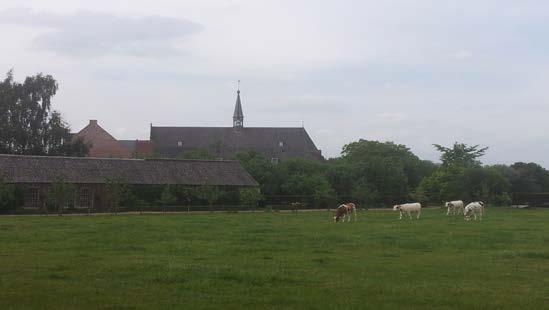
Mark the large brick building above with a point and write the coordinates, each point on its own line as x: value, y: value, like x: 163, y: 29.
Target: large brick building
x: 104, y: 145
x: 274, y: 143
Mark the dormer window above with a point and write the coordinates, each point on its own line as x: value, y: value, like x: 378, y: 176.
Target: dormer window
x: 274, y: 160
x: 179, y: 143
x: 281, y: 143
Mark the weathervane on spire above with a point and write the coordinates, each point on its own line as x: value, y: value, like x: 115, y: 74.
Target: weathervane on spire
x: 238, y: 86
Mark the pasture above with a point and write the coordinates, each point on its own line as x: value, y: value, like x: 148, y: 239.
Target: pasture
x: 276, y: 261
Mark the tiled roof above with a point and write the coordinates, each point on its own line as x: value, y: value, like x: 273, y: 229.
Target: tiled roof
x: 224, y: 142
x: 42, y: 169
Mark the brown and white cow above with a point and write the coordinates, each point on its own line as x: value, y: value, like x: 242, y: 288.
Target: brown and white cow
x: 344, y: 211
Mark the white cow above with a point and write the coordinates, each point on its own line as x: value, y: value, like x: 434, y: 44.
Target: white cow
x: 408, y: 208
x: 454, y: 207
x: 473, y: 209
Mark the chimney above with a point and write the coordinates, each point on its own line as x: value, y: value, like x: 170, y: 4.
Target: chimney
x: 93, y: 122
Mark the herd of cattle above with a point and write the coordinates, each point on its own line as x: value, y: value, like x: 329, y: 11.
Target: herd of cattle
x: 473, y: 209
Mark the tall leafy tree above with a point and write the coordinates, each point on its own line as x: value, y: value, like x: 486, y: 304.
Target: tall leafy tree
x: 384, y: 171
x: 460, y: 154
x: 60, y: 194
x: 28, y: 125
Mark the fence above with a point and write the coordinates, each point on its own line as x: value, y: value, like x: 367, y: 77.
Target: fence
x: 531, y: 199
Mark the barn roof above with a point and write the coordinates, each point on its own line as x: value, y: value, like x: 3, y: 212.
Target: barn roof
x: 42, y: 169
x: 279, y: 142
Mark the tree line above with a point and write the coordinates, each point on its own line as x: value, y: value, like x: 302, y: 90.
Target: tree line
x: 372, y: 173
x: 380, y: 174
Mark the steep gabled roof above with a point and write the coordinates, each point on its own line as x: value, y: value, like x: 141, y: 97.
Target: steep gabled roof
x: 224, y: 142
x: 79, y: 170
x: 103, y: 144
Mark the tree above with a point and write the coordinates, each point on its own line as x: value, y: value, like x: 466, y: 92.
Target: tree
x: 116, y: 192
x: 167, y: 198
x: 7, y: 195
x: 28, y: 125
x: 528, y: 178
x: 460, y: 155
x: 60, y: 194
x: 250, y: 196
x: 468, y: 184
x: 260, y: 169
x: 210, y: 193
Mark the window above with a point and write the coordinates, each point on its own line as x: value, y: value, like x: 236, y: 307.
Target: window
x: 179, y: 143
x: 274, y: 160
x: 84, y: 199
x: 281, y: 143
x: 32, y: 197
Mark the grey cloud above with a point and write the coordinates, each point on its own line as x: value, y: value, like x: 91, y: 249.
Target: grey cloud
x: 87, y: 33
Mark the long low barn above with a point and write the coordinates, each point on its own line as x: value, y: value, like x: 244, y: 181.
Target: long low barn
x: 89, y: 175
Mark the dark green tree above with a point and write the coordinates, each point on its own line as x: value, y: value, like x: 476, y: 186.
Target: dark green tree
x: 28, y: 125
x: 461, y: 155
x: 117, y: 192
x: 250, y: 196
x: 167, y: 198
x: 210, y: 193
x: 60, y: 194
x: 7, y: 195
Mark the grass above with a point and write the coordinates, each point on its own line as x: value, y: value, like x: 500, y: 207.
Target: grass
x: 276, y: 261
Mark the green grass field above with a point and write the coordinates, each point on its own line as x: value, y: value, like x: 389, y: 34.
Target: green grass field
x: 276, y: 261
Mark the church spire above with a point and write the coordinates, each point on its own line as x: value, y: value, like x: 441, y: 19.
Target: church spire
x: 238, y: 116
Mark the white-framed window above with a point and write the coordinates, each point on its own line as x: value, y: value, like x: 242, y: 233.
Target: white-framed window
x: 281, y: 143
x: 179, y: 143
x: 32, y: 197
x: 84, y: 198
x: 274, y: 160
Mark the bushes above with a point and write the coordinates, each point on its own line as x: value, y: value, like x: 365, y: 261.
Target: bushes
x: 250, y: 197
x: 60, y: 194
x: 10, y: 197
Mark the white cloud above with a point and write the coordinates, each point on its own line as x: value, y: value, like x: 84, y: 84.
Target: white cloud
x: 87, y: 33
x: 462, y: 54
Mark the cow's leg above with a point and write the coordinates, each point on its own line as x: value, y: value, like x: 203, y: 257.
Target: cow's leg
x: 410, y: 214
x: 354, y: 211
x: 448, y: 212
x: 400, y: 218
x: 418, y: 213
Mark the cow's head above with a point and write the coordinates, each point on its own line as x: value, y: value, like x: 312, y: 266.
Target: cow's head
x: 468, y: 213
x: 447, y: 204
x: 396, y: 208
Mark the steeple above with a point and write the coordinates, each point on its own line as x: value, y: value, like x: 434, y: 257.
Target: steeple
x: 238, y: 116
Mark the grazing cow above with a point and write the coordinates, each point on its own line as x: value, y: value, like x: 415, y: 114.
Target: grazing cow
x: 454, y: 207
x: 344, y: 211
x: 351, y: 208
x: 408, y: 208
x: 473, y: 209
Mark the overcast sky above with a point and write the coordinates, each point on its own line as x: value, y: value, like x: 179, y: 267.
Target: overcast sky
x: 412, y: 72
